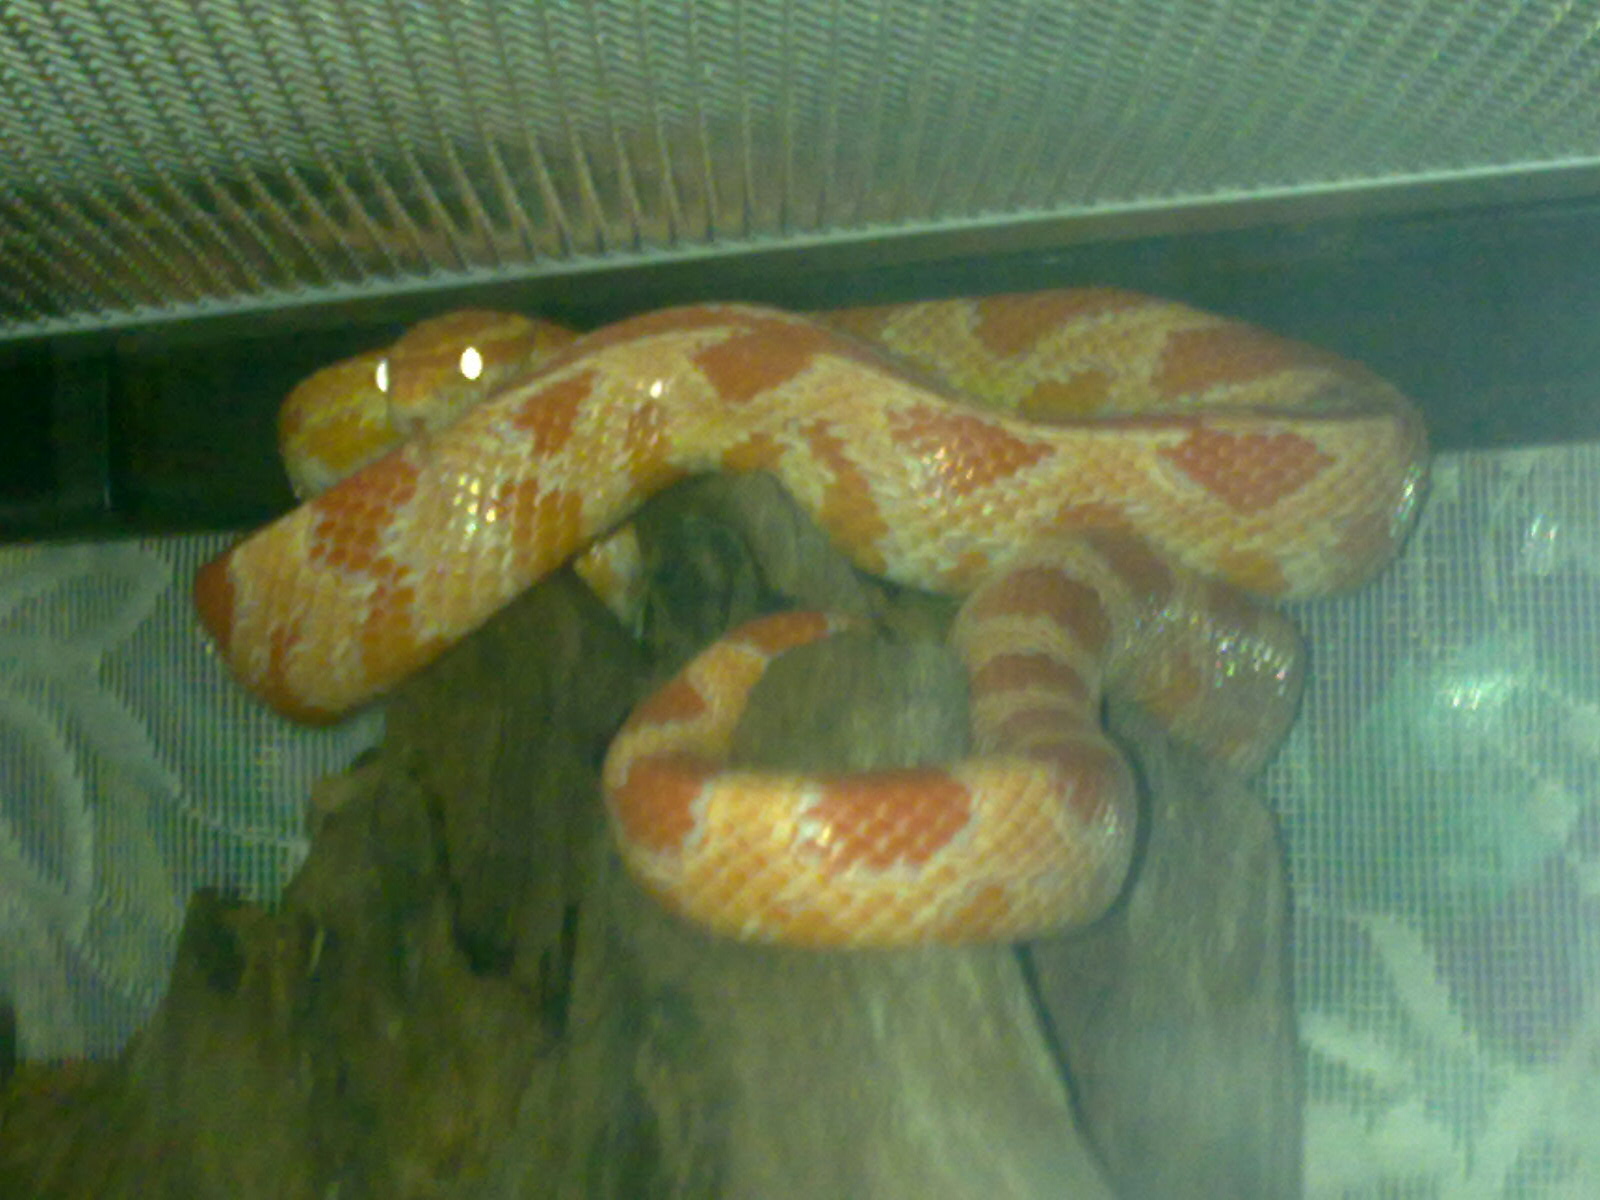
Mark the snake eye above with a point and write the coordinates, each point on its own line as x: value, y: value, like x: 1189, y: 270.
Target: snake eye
x: 471, y: 363
x: 381, y: 375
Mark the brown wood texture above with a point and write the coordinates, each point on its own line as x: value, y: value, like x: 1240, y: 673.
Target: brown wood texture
x: 462, y: 995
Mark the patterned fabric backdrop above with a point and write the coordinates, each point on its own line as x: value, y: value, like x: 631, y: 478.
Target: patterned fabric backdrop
x: 131, y: 772
x: 1440, y: 800
x: 1441, y: 804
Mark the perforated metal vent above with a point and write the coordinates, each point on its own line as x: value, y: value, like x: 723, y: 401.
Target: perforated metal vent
x: 166, y: 159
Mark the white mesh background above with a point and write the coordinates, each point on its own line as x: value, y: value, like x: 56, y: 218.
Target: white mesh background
x: 1440, y: 800
x: 131, y: 772
x: 181, y: 157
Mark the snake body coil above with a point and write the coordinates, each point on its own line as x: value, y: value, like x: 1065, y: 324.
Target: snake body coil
x: 1135, y: 470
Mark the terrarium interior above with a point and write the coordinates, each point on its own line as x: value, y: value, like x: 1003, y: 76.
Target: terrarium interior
x: 201, y: 203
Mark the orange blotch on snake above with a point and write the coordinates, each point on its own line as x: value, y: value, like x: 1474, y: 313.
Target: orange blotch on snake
x: 1195, y: 360
x: 966, y: 451
x: 548, y: 523
x: 389, y: 635
x: 351, y: 518
x: 1012, y: 325
x: 1018, y: 672
x: 754, y: 453
x: 769, y: 354
x: 783, y: 631
x: 1248, y: 471
x: 849, y: 508
x: 671, y: 704
x: 881, y: 819
x: 1049, y: 593
x: 1139, y: 567
x: 1033, y: 728
x: 655, y: 804
x: 549, y: 415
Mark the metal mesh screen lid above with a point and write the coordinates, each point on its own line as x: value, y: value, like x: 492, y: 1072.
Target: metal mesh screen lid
x: 169, y: 159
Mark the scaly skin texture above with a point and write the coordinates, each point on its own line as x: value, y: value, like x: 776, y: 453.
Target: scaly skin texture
x: 1103, y: 476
